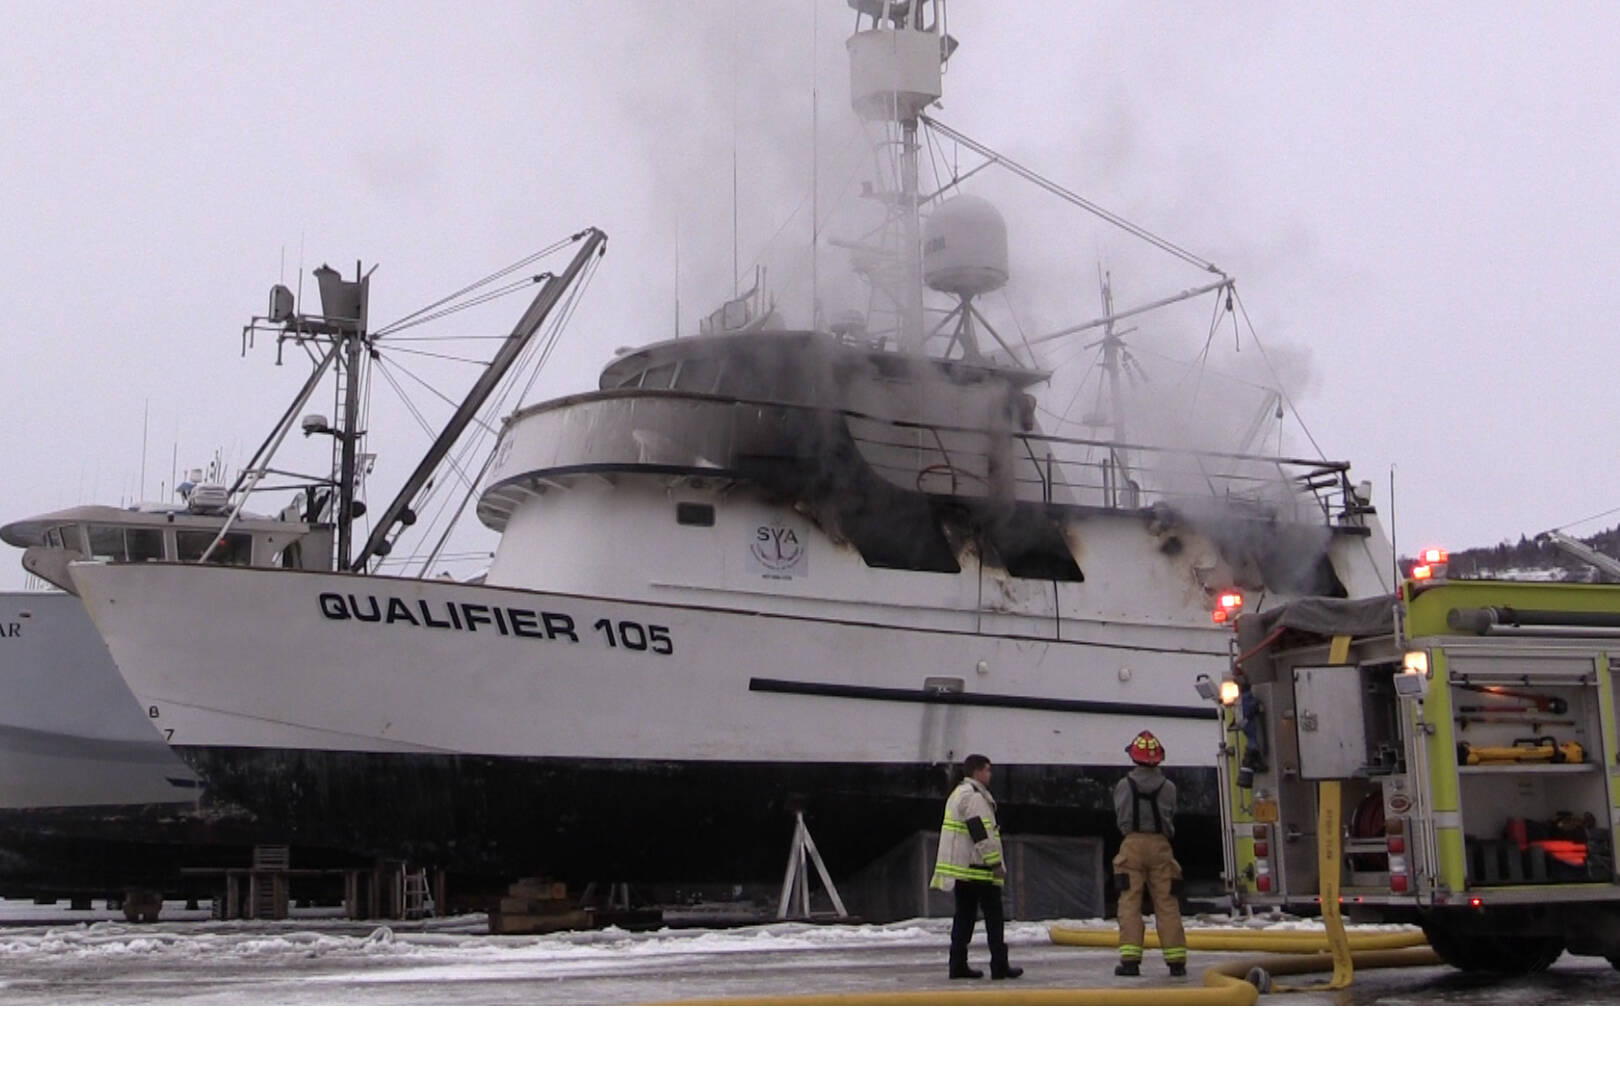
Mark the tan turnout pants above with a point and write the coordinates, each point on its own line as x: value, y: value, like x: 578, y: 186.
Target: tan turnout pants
x: 1146, y: 859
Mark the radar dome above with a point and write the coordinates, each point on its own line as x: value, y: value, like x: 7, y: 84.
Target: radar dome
x: 965, y: 247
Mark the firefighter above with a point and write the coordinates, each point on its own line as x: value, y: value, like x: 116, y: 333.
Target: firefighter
x: 970, y: 865
x: 1145, y: 808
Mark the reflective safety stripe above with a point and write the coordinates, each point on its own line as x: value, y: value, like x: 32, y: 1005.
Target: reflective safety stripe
x: 1176, y: 952
x: 1130, y: 952
x: 965, y: 873
x: 952, y: 825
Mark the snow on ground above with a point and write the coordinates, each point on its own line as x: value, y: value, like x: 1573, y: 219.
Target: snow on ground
x: 320, y: 960
x: 184, y: 936
x: 312, y: 959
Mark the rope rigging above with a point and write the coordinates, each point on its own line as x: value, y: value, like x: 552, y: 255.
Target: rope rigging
x: 1071, y: 197
x: 479, y: 284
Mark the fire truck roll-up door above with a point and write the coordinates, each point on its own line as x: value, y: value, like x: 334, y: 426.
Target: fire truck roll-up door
x: 1533, y: 752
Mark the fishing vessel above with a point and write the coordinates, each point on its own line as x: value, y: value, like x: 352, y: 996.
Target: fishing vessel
x: 757, y: 569
x: 82, y: 770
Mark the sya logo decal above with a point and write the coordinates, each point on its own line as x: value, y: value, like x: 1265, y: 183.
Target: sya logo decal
x: 780, y: 551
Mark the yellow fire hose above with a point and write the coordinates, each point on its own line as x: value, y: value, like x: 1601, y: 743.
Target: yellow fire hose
x: 1231, y: 983
x: 1224, y: 984
x: 1236, y: 982
x: 1243, y: 939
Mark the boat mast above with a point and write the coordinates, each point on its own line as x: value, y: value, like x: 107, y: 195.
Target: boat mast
x: 895, y: 73
x: 344, y: 309
x: 351, y: 386
x: 1112, y: 360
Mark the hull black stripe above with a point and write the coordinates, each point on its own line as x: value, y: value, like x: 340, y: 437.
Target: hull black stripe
x: 1004, y: 701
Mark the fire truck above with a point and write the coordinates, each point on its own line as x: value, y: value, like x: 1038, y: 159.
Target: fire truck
x: 1448, y: 754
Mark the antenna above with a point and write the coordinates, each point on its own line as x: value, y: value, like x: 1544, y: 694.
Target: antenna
x: 815, y: 167
x: 146, y: 408
x: 736, y: 272
x: 1394, y: 549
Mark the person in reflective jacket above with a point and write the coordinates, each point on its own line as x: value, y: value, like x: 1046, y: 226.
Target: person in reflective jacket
x: 970, y: 865
x: 1145, y: 809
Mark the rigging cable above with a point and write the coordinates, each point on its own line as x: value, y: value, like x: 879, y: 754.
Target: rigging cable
x: 410, y: 405
x: 497, y: 294
x: 479, y: 284
x: 1203, y: 355
x: 1584, y: 520
x: 1078, y: 200
x: 435, y: 355
x: 1282, y: 391
x: 403, y: 370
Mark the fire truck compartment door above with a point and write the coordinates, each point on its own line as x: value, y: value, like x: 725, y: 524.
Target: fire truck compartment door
x: 1328, y: 718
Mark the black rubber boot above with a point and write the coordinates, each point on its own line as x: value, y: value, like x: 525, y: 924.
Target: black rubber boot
x: 1006, y: 973
x: 1128, y: 967
x: 1178, y: 967
x: 966, y: 973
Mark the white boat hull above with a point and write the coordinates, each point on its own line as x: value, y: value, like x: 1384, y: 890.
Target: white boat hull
x: 304, y: 660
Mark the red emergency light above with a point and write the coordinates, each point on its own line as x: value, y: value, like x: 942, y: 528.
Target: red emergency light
x: 1227, y: 604
x: 1431, y: 564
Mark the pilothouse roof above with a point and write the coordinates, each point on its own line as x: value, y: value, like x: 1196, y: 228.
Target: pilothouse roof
x: 742, y: 358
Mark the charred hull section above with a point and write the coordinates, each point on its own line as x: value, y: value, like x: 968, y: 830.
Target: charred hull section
x: 488, y: 820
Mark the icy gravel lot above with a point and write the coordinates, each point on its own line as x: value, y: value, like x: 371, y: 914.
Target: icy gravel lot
x: 317, y: 960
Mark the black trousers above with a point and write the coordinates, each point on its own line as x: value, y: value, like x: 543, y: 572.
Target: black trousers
x: 973, y: 897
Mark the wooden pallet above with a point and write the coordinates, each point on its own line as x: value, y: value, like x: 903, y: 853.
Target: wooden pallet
x: 539, y: 906
x: 501, y: 922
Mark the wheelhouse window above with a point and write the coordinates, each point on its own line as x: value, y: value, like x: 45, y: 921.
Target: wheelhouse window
x: 143, y: 545
x: 749, y: 377
x: 657, y: 378
x: 236, y: 549
x: 125, y: 545
x: 697, y: 375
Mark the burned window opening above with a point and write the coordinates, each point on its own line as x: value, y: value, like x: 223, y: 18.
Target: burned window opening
x: 1025, y: 541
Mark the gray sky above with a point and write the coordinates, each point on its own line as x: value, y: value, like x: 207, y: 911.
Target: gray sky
x: 1418, y: 201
